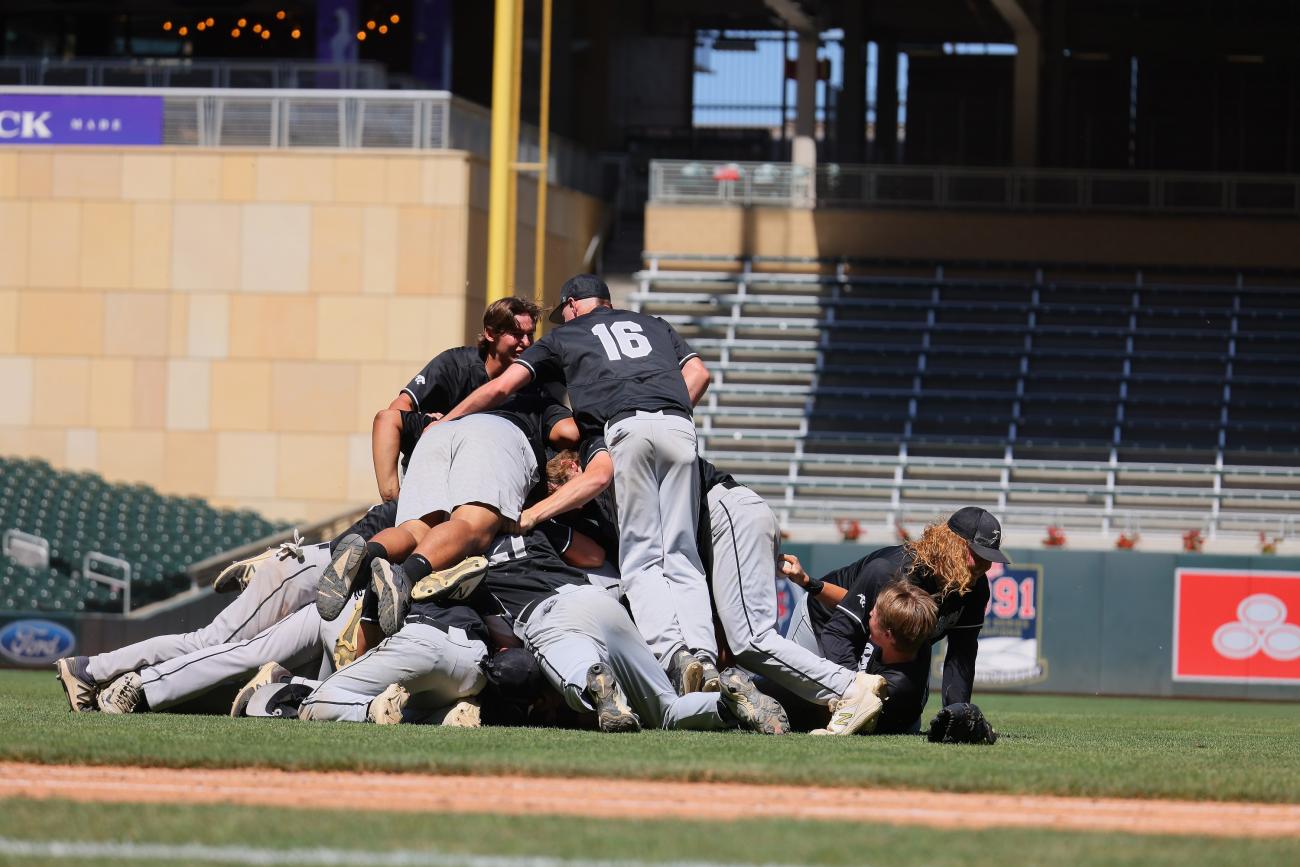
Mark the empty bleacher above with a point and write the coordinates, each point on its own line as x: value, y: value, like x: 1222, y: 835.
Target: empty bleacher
x: 79, y: 514
x: 1094, y: 400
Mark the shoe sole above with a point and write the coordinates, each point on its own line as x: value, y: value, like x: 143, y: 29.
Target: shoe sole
x: 752, y: 709
x: 265, y: 675
x: 465, y: 715
x: 108, y: 706
x: 453, y: 583
x: 693, y: 677
x: 612, y: 715
x: 710, y: 682
x: 69, y: 681
x: 392, y: 602
x: 393, y: 708
x: 335, y: 587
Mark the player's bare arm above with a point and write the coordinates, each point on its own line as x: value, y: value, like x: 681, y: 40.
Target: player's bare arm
x: 491, y: 394
x: 583, y: 552
x: 829, y: 594
x: 573, y: 494
x: 697, y: 378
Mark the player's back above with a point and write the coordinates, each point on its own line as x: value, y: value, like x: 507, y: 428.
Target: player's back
x: 613, y: 362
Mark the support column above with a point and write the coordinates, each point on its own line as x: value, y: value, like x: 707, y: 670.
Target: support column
x: 852, y: 117
x: 804, y: 152
x: 886, y: 101
x: 1024, y: 134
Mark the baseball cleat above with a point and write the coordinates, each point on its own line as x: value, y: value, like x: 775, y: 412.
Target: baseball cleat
x: 235, y: 577
x: 454, y: 584
x: 122, y: 695
x: 465, y: 714
x: 710, y: 680
x: 394, y: 591
x: 860, y: 706
x: 686, y: 672
x: 752, y: 710
x: 335, y: 587
x: 387, y: 707
x: 612, y: 711
x: 78, y: 685
x: 271, y: 672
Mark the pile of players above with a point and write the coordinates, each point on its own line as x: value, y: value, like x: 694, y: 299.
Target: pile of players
x: 555, y: 553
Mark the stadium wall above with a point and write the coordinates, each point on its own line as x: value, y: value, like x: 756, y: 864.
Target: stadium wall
x: 1129, y: 623
x: 225, y: 323
x: 1101, y: 239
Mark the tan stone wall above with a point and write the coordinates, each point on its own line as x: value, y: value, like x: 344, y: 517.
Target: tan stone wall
x: 226, y: 323
x: 897, y: 234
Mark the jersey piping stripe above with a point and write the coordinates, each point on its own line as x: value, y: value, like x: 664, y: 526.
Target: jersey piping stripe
x: 688, y: 357
x: 226, y: 647
x: 415, y: 401
x: 735, y: 553
x: 531, y: 370
x: 851, y: 614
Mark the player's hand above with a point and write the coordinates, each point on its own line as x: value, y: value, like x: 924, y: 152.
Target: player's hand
x: 527, y: 521
x: 792, y: 569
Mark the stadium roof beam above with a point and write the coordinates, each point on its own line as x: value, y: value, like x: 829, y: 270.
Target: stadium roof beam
x: 1024, y: 137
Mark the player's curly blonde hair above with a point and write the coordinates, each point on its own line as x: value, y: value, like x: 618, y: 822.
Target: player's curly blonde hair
x: 943, y: 553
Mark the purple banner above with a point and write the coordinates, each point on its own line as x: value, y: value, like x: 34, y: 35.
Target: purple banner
x: 27, y: 119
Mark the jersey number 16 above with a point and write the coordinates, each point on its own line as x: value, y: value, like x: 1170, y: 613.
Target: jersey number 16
x: 622, y: 339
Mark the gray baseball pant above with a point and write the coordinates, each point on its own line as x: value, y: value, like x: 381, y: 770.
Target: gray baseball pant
x: 658, y: 489
x: 279, y: 586
x: 800, y: 630
x: 294, y: 641
x: 582, y: 625
x: 746, y: 554
x: 436, y: 667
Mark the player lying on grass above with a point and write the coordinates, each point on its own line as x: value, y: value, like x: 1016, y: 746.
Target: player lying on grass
x: 633, y: 379
x: 508, y: 327
x: 950, y: 562
x: 272, y: 585
x: 898, y: 627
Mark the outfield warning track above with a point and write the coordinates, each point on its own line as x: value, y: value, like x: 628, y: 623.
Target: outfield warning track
x: 626, y: 799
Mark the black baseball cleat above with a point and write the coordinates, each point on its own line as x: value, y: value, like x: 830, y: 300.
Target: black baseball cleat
x: 394, y: 591
x: 612, y: 711
x: 336, y: 582
x: 78, y: 685
x: 686, y: 672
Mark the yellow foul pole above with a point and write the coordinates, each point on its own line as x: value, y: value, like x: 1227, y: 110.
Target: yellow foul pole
x: 505, y: 87
x: 517, y: 64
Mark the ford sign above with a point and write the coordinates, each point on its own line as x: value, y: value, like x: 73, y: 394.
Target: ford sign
x: 35, y: 642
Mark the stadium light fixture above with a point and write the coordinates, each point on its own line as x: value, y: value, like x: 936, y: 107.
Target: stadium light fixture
x: 394, y: 19
x: 361, y: 36
x: 370, y: 25
x: 234, y: 33
x: 167, y: 25
x: 183, y: 30
x: 383, y: 28
x: 257, y: 28
x: 266, y: 34
x: 295, y: 33
x: 211, y: 22
x: 243, y: 22
x: 279, y: 16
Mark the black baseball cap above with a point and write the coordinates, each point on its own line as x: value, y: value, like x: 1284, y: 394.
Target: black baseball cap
x: 581, y: 286
x: 981, y: 531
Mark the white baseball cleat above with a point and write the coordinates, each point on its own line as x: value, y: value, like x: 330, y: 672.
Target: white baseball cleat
x: 454, y: 584
x: 387, y: 707
x: 235, y: 577
x: 858, y: 709
x: 78, y: 685
x: 122, y: 695
x: 465, y: 714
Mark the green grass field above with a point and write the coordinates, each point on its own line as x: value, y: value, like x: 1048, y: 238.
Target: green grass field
x: 1198, y: 750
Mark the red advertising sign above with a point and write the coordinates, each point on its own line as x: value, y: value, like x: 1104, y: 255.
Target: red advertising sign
x: 1234, y: 626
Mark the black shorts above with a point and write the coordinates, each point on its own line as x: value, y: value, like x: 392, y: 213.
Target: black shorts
x: 413, y: 425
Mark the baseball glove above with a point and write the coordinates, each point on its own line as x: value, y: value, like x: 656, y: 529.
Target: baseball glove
x: 961, y: 723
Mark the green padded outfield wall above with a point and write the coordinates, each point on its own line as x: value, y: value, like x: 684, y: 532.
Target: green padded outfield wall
x: 1103, y: 622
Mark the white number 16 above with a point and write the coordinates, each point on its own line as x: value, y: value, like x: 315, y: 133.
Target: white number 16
x: 622, y: 340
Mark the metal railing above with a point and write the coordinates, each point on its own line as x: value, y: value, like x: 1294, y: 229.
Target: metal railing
x: 187, y: 72
x: 957, y: 188
x: 402, y: 119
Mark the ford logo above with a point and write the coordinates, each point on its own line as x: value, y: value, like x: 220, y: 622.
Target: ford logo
x: 35, y: 642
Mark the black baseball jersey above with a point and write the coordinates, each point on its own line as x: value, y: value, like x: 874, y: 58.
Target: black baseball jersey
x: 526, y: 569
x: 908, y: 684
x: 378, y: 517
x: 613, y: 361
x: 447, y: 379
x: 442, y: 617
x: 845, y: 639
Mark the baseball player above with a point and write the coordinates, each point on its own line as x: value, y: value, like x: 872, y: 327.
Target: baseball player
x: 276, y: 584
x: 592, y: 653
x: 741, y: 544
x: 633, y: 379
x: 508, y: 327
x: 467, y: 478
x: 950, y: 562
